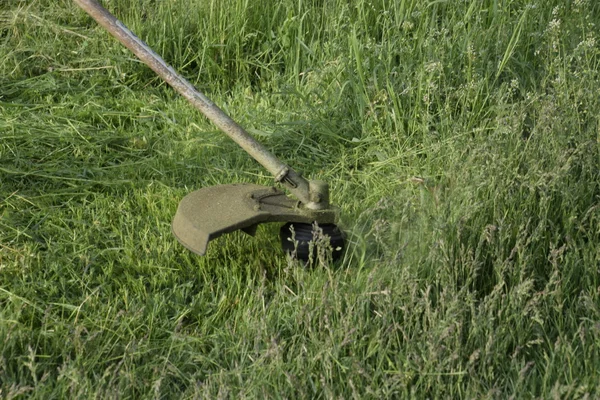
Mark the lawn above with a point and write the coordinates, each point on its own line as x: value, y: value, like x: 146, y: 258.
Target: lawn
x: 461, y: 143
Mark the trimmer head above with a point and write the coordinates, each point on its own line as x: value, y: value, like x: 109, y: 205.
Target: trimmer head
x: 208, y: 213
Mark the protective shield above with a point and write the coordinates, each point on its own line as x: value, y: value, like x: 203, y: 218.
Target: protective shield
x: 210, y: 212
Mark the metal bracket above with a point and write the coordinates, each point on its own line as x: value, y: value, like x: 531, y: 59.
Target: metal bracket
x: 282, y: 174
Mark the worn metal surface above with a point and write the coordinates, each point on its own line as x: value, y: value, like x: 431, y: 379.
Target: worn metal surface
x: 210, y: 212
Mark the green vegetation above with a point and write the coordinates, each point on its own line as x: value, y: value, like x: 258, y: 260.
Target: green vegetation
x: 460, y: 139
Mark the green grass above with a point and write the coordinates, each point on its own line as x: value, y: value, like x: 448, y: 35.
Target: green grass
x: 460, y: 140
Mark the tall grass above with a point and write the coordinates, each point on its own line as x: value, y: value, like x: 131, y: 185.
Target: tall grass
x: 460, y: 140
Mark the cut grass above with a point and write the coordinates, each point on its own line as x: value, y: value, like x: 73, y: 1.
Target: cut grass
x: 460, y: 140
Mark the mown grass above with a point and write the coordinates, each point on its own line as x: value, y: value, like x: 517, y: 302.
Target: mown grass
x: 460, y: 140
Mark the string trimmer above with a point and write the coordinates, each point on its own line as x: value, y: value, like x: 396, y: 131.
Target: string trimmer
x: 210, y: 212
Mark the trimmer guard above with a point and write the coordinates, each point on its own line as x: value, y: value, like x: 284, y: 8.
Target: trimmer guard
x: 210, y: 212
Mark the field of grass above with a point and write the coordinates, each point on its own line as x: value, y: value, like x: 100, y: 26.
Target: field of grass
x: 461, y: 142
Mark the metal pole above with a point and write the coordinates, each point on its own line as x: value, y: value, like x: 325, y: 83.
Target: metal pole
x: 282, y: 173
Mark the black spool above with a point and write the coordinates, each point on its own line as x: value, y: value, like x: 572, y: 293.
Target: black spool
x: 304, y: 234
